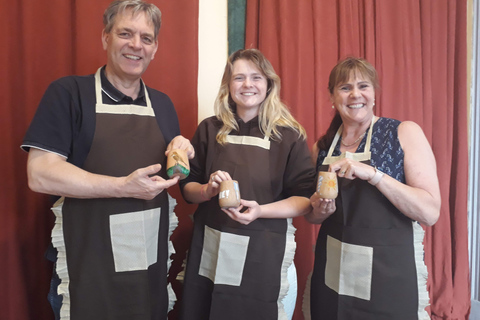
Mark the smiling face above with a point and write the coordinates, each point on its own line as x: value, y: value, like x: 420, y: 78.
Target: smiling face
x: 130, y: 46
x: 354, y: 99
x: 248, y: 88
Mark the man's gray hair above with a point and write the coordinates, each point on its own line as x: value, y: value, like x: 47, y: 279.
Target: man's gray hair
x: 119, y: 6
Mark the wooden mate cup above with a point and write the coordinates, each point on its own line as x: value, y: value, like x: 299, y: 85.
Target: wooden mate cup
x: 229, y: 196
x: 327, y: 185
x: 177, y: 164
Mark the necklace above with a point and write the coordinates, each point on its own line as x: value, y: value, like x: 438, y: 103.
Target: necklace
x: 354, y: 142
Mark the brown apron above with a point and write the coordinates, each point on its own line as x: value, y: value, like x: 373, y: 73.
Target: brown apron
x: 368, y: 257
x: 113, y: 252
x: 234, y: 271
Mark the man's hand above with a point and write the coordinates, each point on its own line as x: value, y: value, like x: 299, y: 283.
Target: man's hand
x: 144, y: 184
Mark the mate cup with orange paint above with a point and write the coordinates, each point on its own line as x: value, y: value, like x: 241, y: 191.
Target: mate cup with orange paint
x: 327, y: 185
x: 229, y: 195
x: 177, y: 164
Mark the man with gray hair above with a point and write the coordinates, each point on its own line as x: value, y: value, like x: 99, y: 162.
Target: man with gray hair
x: 99, y: 143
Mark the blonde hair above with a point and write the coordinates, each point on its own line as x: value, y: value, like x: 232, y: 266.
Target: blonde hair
x: 272, y: 114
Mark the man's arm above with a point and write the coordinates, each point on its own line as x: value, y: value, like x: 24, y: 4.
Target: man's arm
x: 51, y: 174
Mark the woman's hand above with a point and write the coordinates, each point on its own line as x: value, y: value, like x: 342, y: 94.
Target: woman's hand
x: 180, y: 142
x: 351, y: 169
x: 213, y: 186
x: 291, y: 207
x: 197, y: 193
x: 252, y: 213
x: 322, y: 209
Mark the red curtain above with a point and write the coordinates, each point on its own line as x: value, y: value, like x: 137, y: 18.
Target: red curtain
x: 419, y: 50
x: 42, y: 41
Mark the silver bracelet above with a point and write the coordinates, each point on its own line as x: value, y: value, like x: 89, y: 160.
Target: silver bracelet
x: 376, y: 178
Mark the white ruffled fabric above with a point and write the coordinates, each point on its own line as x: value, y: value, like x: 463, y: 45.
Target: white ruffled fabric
x: 422, y: 272
x: 290, y: 248
x: 61, y: 265
x: 171, y: 250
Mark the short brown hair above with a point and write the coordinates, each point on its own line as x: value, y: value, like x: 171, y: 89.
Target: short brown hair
x: 342, y: 71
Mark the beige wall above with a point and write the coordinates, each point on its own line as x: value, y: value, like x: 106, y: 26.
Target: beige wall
x: 212, y: 52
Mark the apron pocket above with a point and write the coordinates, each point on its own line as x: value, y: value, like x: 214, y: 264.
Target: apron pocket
x: 134, y: 238
x: 348, y: 270
x: 223, y: 257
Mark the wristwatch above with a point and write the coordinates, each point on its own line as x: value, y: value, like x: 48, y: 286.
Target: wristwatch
x: 376, y: 178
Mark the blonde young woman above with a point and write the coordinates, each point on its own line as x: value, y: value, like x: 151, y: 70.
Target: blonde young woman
x: 239, y: 257
x: 369, y: 252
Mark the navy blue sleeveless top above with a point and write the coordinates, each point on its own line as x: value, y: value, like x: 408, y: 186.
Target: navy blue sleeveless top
x: 387, y: 153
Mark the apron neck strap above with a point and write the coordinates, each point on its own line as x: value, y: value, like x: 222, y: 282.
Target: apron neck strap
x: 339, y: 134
x: 98, y: 89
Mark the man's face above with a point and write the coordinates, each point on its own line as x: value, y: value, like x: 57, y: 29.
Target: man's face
x: 130, y: 46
